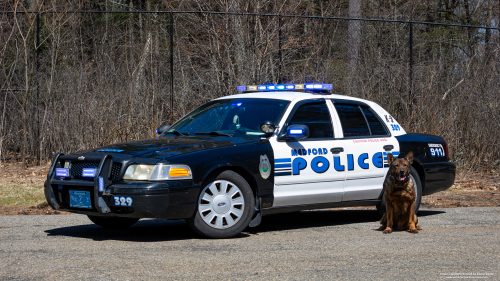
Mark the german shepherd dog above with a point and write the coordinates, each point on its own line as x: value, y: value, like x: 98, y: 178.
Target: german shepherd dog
x: 399, y: 196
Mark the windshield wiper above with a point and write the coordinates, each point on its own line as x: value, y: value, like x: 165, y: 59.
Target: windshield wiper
x: 177, y: 133
x: 213, y: 133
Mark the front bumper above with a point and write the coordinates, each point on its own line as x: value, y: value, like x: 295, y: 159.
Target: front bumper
x: 166, y: 199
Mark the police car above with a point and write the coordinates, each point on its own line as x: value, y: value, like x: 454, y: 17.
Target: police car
x: 271, y: 149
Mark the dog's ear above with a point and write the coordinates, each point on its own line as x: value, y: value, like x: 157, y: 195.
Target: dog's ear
x: 390, y: 158
x: 409, y: 157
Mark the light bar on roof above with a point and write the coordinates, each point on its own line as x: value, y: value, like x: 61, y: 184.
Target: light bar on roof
x: 288, y: 87
x: 319, y: 86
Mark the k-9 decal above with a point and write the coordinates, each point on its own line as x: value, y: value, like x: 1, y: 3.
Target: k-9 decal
x: 437, y: 150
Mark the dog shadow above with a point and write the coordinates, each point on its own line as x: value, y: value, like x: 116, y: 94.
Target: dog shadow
x: 425, y: 213
x: 157, y: 230
x: 420, y: 214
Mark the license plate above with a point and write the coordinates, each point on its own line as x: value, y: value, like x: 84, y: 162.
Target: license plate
x: 79, y: 199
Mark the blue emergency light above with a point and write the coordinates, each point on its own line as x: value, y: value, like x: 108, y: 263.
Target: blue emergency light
x: 61, y: 172
x: 282, y: 87
x: 101, y: 184
x: 113, y: 150
x: 88, y: 172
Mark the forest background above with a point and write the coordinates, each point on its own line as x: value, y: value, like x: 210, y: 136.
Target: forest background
x: 72, y: 80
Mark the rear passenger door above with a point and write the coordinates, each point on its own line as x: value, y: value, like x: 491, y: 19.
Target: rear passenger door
x: 304, y: 170
x: 366, y: 141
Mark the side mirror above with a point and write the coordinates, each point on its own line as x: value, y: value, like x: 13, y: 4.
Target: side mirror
x: 268, y: 127
x: 297, y: 132
x: 162, y: 129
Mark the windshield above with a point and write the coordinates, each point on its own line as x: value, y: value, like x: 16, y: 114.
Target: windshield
x: 238, y: 117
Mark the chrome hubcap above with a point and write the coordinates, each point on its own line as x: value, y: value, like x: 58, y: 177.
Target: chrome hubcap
x: 221, y: 204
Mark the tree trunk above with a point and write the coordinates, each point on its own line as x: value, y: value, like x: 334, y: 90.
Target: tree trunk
x: 25, y: 139
x: 468, y: 19
x: 487, y: 38
x: 353, y: 44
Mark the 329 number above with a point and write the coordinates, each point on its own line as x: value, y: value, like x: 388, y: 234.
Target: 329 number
x: 123, y: 201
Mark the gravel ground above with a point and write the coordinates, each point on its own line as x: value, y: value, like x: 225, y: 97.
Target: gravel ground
x: 311, y: 245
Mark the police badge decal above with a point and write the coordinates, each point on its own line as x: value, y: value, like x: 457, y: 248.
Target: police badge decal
x: 264, y: 167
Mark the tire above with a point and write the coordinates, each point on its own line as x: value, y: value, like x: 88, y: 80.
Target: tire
x: 225, y: 207
x: 418, y: 192
x: 113, y: 222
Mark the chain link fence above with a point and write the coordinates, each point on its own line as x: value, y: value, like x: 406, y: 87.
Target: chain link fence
x: 73, y: 80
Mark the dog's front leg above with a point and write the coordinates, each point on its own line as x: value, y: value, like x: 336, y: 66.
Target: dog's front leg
x: 383, y: 222
x: 389, y: 216
x: 413, y: 218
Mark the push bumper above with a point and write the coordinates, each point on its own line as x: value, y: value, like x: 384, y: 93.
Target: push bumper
x: 166, y: 199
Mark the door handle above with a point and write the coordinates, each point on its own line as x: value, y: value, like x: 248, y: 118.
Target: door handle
x: 336, y: 150
x: 388, y: 147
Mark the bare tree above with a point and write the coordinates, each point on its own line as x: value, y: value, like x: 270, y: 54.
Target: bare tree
x: 105, y: 77
x: 353, y: 43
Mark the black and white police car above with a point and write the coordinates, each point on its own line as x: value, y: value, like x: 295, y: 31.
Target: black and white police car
x: 271, y: 149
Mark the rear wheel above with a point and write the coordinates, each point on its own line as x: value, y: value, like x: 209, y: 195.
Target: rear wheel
x: 225, y: 207
x: 418, y: 193
x: 113, y: 222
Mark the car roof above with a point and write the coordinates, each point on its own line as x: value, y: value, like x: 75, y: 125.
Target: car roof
x: 290, y: 96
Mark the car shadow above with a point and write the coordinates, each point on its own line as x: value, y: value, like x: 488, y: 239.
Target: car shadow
x: 174, y: 230
x: 320, y: 218
x: 155, y: 230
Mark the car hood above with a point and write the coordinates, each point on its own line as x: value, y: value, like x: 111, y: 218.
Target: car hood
x: 170, y: 146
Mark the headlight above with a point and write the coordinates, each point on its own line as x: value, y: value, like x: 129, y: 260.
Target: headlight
x: 157, y: 172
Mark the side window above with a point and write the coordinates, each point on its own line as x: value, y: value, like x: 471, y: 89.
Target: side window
x: 375, y: 126
x: 316, y: 116
x: 359, y: 121
x: 352, y: 120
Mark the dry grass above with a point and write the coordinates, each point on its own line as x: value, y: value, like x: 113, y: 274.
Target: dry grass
x: 21, y: 186
x: 489, y: 181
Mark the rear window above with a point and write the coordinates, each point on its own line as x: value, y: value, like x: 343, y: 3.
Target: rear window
x: 352, y: 120
x: 376, y: 126
x: 359, y: 121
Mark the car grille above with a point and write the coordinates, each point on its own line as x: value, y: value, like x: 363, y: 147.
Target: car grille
x: 77, y: 169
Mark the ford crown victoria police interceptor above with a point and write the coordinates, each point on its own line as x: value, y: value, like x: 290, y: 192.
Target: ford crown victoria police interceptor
x: 271, y: 149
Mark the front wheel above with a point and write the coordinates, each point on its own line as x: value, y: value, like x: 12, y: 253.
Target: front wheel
x: 113, y: 222
x: 225, y: 207
x: 418, y: 193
